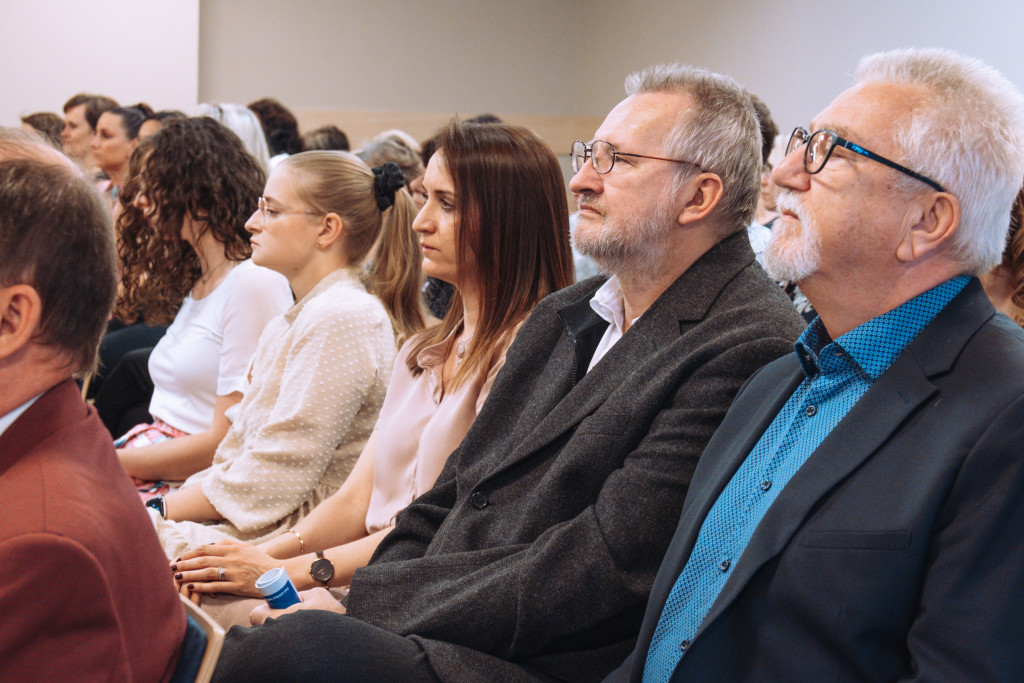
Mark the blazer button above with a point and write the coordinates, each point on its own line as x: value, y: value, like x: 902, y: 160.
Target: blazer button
x: 478, y: 500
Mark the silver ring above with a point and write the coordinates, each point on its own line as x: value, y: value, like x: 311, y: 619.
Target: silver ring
x: 221, y: 570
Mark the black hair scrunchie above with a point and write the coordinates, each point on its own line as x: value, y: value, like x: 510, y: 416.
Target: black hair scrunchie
x: 387, y: 179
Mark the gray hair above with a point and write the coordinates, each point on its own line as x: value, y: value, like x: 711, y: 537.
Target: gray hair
x: 243, y: 123
x: 720, y: 133
x: 969, y: 137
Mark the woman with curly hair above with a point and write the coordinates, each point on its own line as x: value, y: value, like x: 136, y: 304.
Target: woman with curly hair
x: 185, y: 261
x: 1004, y: 284
x: 496, y: 226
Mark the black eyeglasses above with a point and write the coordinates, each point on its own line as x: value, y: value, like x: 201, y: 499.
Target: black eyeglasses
x: 821, y: 143
x: 603, y: 155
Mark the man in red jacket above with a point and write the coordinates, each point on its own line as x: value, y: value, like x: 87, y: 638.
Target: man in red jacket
x: 85, y: 591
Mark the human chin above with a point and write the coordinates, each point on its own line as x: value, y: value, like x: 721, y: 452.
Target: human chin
x: 794, y: 252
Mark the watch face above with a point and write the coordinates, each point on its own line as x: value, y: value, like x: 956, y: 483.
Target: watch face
x: 322, y: 570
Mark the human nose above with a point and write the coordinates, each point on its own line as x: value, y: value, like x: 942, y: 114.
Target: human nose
x: 790, y: 172
x: 423, y: 221
x: 95, y: 144
x: 586, y: 180
x: 255, y: 222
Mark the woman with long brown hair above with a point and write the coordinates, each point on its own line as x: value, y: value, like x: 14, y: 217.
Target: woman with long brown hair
x: 495, y: 225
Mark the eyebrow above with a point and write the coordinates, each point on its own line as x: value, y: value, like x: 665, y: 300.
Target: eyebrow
x: 842, y: 131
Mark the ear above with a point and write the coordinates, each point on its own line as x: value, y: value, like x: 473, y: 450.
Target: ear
x: 927, y: 225
x: 702, y: 194
x: 332, y: 227
x: 20, y: 312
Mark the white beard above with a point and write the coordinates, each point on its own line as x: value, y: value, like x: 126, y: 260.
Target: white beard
x: 792, y: 257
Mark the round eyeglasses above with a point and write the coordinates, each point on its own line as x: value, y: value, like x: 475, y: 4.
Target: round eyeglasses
x: 602, y: 156
x: 266, y: 212
x: 819, y: 146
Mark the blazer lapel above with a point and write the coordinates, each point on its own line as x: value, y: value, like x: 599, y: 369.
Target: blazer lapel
x: 685, y: 303
x: 747, y: 420
x: 900, y: 391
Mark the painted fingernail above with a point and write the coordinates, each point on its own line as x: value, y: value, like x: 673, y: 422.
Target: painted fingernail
x: 178, y: 576
x: 191, y: 587
x: 174, y: 567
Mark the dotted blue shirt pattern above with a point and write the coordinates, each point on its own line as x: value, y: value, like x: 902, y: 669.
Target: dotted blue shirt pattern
x: 837, y: 374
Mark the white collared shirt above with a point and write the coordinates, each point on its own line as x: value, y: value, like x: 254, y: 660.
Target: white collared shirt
x: 607, y: 302
x: 8, y: 419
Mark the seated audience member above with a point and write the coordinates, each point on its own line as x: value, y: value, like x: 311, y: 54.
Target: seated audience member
x: 117, y: 136
x: 1004, y: 284
x: 47, y: 124
x: 81, y: 113
x: 155, y: 121
x: 185, y: 258
x: 388, y: 276
x: 758, y: 232
x: 71, y: 594
x: 280, y: 128
x: 320, y: 371
x: 325, y: 138
x: 858, y: 515
x: 534, y: 552
x: 502, y: 256
x: 397, y: 147
x: 243, y: 123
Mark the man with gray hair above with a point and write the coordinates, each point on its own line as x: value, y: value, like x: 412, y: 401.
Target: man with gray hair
x: 533, y: 554
x: 859, y: 513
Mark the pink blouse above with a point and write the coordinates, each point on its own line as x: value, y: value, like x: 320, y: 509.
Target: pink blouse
x: 418, y: 427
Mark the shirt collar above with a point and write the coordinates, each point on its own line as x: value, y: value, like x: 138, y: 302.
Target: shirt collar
x: 607, y: 302
x: 9, y: 419
x: 874, y: 345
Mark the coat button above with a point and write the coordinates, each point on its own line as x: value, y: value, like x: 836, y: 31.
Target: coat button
x: 811, y: 410
x: 683, y: 645
x: 765, y: 485
x: 725, y: 565
x: 479, y: 500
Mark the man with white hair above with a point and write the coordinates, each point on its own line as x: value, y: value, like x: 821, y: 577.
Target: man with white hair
x: 859, y: 513
x: 532, y: 556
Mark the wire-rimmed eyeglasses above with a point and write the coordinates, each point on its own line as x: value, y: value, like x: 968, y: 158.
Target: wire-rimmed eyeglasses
x: 266, y: 211
x: 819, y: 146
x: 603, y: 155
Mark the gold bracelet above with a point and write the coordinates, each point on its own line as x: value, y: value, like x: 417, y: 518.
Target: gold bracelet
x: 302, y: 544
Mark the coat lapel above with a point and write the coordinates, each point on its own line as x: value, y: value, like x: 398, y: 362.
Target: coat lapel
x: 684, y: 304
x: 900, y: 391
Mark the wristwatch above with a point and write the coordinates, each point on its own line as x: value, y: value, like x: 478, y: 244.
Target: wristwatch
x: 322, y: 569
x: 157, y: 503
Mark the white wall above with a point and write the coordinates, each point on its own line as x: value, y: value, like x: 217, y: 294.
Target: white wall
x: 131, y: 50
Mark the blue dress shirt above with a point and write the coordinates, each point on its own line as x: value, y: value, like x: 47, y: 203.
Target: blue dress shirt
x: 837, y: 374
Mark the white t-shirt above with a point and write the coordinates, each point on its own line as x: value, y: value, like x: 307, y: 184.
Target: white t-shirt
x: 207, y: 349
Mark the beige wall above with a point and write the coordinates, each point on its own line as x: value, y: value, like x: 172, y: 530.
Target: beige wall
x: 132, y: 50
x: 357, y: 62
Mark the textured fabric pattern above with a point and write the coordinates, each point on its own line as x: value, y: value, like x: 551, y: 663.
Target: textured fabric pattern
x: 837, y: 374
x: 318, y: 382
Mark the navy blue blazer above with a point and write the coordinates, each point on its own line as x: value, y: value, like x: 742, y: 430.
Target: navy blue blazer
x: 895, y: 552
